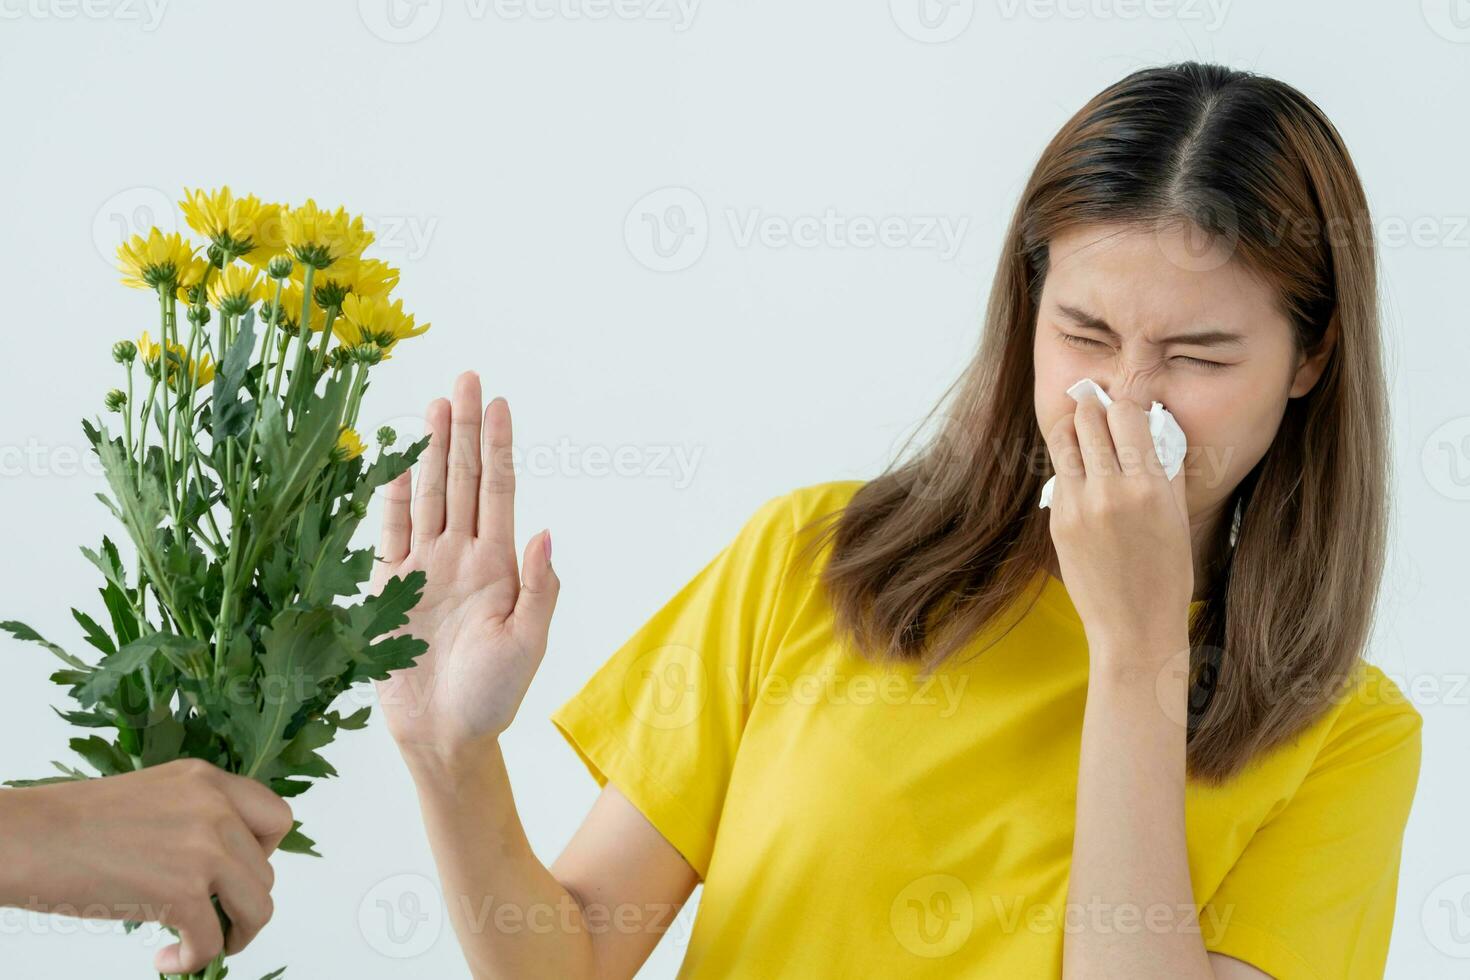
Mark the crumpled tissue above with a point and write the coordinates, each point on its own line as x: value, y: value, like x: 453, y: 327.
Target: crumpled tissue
x: 1169, y: 441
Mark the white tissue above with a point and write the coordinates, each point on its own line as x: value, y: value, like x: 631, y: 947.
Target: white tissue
x: 1169, y: 441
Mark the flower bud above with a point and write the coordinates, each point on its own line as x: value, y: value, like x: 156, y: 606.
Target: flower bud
x: 386, y: 436
x: 367, y: 354
x: 115, y: 400
x: 279, y: 267
x: 199, y: 315
x: 124, y: 351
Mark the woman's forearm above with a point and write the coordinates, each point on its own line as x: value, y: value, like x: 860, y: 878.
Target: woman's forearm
x: 1130, y: 868
x: 513, y: 919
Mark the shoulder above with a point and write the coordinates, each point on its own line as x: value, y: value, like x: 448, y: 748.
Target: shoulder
x: 1372, y: 721
x: 1373, y: 703
x: 815, y: 500
x: 775, y: 541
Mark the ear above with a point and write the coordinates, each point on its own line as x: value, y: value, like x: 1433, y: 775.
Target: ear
x: 1314, y: 362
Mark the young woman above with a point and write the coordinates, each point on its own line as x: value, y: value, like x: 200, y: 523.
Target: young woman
x: 919, y: 726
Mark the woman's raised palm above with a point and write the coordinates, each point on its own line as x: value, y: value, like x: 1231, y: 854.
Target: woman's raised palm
x: 486, y: 624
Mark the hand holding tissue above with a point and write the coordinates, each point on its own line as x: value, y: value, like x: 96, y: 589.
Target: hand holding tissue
x: 1169, y: 441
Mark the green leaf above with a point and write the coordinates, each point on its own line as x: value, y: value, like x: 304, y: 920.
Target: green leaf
x: 103, y: 681
x: 140, y: 503
x: 105, y: 757
x: 108, y: 562
x: 389, y: 609
x: 96, y: 635
x: 162, y: 741
x: 275, y: 974
x: 70, y: 678
x: 86, y: 719
x: 292, y: 461
x: 23, y: 632
x: 288, y: 788
x: 44, y: 781
x: 301, y: 652
x: 230, y: 417
x: 353, y: 722
x: 116, y: 593
x: 295, y: 842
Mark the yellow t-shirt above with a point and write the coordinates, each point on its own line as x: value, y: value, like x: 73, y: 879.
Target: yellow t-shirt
x: 849, y: 820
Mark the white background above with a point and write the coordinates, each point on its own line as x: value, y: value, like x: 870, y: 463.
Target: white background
x: 505, y: 154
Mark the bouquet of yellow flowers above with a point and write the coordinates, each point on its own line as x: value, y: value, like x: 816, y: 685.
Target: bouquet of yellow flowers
x: 240, y: 479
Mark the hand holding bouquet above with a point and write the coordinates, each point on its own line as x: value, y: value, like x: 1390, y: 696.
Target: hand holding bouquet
x: 240, y: 478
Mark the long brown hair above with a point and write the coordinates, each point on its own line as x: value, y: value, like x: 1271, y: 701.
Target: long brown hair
x: 954, y: 536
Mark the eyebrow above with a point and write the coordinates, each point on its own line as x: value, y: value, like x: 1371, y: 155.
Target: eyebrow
x: 1200, y: 338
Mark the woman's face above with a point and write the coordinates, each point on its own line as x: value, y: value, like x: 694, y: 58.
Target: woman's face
x: 1140, y: 312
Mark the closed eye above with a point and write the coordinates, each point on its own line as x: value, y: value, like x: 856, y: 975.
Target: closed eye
x: 1077, y: 341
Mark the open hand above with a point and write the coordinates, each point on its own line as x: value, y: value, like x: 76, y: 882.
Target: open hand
x: 486, y: 626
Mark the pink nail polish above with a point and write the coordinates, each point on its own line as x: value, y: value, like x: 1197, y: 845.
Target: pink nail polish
x: 547, y: 540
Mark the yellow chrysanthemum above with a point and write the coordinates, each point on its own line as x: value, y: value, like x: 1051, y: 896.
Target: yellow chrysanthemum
x: 373, y: 320
x: 192, y: 275
x: 349, y: 445
x: 243, y: 226
x: 365, y: 277
x: 291, y: 296
x: 157, y: 261
x: 323, y: 238
x: 202, y: 370
x: 236, y: 289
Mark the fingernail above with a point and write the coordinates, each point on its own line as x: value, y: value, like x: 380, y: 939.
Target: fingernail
x: 547, y: 540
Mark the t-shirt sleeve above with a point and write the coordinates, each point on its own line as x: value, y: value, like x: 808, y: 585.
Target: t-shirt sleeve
x: 662, y: 718
x: 1312, y: 896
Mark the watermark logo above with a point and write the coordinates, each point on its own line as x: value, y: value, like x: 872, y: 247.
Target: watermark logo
x: 932, y: 21
x: 131, y: 212
x: 667, y: 230
x: 400, y: 21
x: 1450, y: 19
x: 147, y: 13
x: 667, y: 687
x: 933, y: 915
x: 401, y: 917
x: 1446, y: 459
x: 1445, y: 917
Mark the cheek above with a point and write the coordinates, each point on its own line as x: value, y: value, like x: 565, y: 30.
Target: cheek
x: 1226, y: 439
x: 1055, y: 372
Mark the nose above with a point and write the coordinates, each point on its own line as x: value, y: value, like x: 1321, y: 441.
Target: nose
x: 1139, y: 389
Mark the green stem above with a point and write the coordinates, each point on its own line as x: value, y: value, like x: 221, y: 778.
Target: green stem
x: 321, y: 351
x: 305, y: 338
x: 128, y: 414
x: 143, y: 425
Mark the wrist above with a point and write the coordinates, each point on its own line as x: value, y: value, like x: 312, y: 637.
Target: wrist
x: 23, y: 822
x: 453, y: 761
x: 1149, y: 659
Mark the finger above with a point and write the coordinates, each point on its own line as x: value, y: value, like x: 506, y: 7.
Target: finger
x: 1128, y: 428
x: 265, y: 815
x: 464, y: 455
x: 1093, y: 437
x: 397, y: 524
x: 200, y: 938
x: 248, y: 853
x: 498, y: 485
x: 246, y: 901
x: 428, y: 497
x: 530, y: 621
x: 1066, y: 459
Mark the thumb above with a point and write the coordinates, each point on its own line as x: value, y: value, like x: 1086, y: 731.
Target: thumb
x: 531, y: 618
